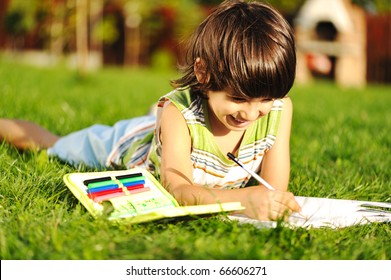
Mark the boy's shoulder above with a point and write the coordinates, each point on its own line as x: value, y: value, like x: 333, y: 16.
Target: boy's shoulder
x: 178, y: 93
x: 282, y: 103
x: 181, y: 97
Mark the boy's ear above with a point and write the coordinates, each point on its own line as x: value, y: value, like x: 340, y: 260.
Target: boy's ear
x: 200, y: 71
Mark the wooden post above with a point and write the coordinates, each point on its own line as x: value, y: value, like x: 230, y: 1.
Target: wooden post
x: 82, y: 36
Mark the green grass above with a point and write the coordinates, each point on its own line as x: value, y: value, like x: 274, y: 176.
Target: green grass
x: 340, y: 149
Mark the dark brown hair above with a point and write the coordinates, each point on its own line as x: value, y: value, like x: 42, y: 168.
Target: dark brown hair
x: 247, y: 47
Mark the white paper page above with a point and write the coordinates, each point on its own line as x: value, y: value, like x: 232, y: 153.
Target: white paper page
x: 325, y: 212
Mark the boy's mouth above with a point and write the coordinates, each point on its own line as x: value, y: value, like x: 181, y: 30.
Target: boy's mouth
x: 238, y: 122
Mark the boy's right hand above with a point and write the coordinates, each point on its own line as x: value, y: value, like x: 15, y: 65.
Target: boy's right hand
x: 264, y: 204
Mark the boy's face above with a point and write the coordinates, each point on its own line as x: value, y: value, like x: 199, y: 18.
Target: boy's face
x: 230, y: 113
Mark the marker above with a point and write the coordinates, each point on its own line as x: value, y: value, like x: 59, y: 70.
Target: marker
x: 128, y: 176
x: 102, y: 188
x: 118, y: 194
x: 96, y: 180
x: 108, y: 196
x: 252, y: 173
x: 92, y: 195
x: 132, y: 182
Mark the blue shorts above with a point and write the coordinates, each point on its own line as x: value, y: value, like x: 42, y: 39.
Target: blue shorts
x: 92, y: 146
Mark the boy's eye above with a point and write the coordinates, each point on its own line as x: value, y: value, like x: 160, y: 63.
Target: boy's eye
x: 238, y: 99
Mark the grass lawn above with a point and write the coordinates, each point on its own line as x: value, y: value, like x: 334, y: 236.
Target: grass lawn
x: 340, y: 148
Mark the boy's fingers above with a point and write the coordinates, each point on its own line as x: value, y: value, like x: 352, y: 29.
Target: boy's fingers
x: 290, y: 202
x: 294, y: 206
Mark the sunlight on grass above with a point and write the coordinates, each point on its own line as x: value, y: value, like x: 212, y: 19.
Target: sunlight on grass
x: 340, y: 148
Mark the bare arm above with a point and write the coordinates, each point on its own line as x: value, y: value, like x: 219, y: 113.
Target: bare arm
x: 276, y: 162
x: 176, y: 174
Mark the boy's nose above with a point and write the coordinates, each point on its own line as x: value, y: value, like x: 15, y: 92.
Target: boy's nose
x: 254, y: 110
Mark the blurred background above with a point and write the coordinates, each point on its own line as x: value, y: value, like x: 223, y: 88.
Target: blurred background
x: 346, y: 41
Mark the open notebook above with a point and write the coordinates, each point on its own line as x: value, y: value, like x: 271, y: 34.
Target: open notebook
x: 134, y: 195
x: 326, y: 212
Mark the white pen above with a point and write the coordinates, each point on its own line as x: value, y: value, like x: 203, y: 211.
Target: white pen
x: 252, y: 173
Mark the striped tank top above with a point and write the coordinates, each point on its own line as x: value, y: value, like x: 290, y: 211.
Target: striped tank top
x: 211, y: 167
